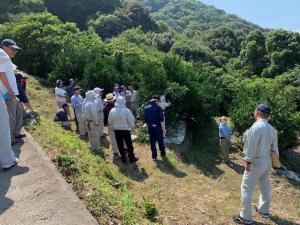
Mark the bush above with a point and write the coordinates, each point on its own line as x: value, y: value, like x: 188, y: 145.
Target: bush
x: 150, y: 209
x: 66, y: 165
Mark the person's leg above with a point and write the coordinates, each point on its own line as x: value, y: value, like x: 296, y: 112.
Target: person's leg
x: 113, y: 141
x: 224, y: 149
x: 161, y: 143
x: 120, y: 143
x: 7, y: 156
x: 95, y: 140
x: 265, y: 193
x: 80, y: 124
x: 152, y: 138
x: 101, y: 123
x: 12, y: 112
x: 128, y: 141
x: 19, y: 118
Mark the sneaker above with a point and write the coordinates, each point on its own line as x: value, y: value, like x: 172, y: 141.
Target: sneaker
x: 116, y: 155
x: 134, y: 159
x: 239, y: 220
x: 263, y: 215
x: 9, y: 166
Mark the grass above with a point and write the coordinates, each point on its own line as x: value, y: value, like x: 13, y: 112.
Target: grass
x: 190, y: 186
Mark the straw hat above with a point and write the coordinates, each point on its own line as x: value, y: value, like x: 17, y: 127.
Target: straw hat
x: 109, y: 98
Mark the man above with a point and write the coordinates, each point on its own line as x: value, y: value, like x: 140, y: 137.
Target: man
x: 9, y: 88
x: 77, y: 101
x: 100, y: 106
x: 133, y: 104
x: 122, y: 121
x: 70, y: 90
x: 109, y: 105
x: 225, y: 138
x: 259, y: 141
x: 61, y: 116
x: 90, y: 116
x: 126, y: 94
x: 154, y: 118
x: 117, y: 90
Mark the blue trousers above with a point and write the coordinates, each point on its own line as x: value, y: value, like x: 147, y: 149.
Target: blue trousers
x: 156, y: 135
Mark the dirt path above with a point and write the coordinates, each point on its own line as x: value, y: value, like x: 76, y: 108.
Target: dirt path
x: 34, y: 193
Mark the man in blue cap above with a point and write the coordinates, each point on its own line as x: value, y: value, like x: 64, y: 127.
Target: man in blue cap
x: 9, y: 88
x: 259, y: 141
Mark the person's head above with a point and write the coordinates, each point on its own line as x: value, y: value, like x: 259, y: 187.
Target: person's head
x: 90, y: 95
x: 76, y: 91
x: 71, y: 82
x: 155, y: 98
x: 116, y: 88
x: 98, y: 91
x: 123, y: 88
x: 130, y: 88
x: 223, y: 119
x: 10, y: 47
x: 59, y: 83
x: 121, y: 102
x: 65, y: 106
x: 262, y: 111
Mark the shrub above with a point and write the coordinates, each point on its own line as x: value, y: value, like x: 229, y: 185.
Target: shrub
x: 150, y: 209
x: 66, y: 165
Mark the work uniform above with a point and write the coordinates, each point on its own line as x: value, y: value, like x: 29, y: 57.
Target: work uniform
x: 7, y: 156
x: 225, y: 142
x: 259, y: 141
x: 77, y: 102
x: 14, y: 109
x: 100, y: 107
x: 90, y: 116
x: 122, y: 121
x: 153, y: 116
x: 133, y: 105
x: 114, y: 146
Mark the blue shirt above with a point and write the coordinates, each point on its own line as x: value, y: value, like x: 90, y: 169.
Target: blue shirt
x: 77, y: 103
x: 224, y: 130
x: 22, y: 94
x: 153, y: 114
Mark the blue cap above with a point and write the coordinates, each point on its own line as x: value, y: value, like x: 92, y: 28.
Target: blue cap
x: 10, y: 43
x: 264, y: 108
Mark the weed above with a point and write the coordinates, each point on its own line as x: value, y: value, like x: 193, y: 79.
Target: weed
x: 150, y: 209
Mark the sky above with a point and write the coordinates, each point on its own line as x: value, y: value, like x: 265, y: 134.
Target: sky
x: 283, y: 14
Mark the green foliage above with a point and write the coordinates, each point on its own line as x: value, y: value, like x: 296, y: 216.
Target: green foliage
x: 142, y: 137
x: 150, y: 209
x: 282, y: 99
x: 67, y: 165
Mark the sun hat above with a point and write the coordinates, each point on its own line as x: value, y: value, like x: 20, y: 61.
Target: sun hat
x: 10, y: 43
x: 121, y: 101
x: 109, y: 98
x: 98, y: 90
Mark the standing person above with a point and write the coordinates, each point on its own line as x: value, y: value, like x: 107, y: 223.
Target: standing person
x: 7, y: 156
x: 117, y: 90
x: 100, y: 106
x: 60, y: 94
x: 109, y: 105
x: 70, y: 90
x: 9, y: 88
x: 77, y: 102
x: 122, y: 121
x: 259, y: 141
x: 225, y: 138
x: 90, y: 115
x: 126, y: 94
x: 133, y: 105
x: 154, y: 118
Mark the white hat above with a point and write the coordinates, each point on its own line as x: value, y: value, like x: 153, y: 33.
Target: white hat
x: 98, y: 90
x: 120, y: 101
x: 90, y: 95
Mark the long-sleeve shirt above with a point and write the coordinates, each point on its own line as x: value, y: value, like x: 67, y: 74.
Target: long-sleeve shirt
x: 260, y: 140
x: 90, y: 112
x: 153, y: 114
x: 121, y: 118
x: 224, y: 130
x: 77, y: 102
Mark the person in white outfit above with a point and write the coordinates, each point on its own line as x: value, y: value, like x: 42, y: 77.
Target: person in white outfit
x: 77, y: 102
x: 90, y: 116
x: 259, y: 141
x: 100, y: 106
x: 7, y: 156
x: 60, y: 94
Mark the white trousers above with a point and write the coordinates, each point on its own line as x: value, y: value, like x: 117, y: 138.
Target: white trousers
x: 101, y: 122
x: 94, y: 135
x: 260, y: 169
x: 113, y: 140
x: 81, y: 124
x: 7, y: 156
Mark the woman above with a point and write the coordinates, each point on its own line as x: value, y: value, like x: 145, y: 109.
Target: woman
x: 60, y: 94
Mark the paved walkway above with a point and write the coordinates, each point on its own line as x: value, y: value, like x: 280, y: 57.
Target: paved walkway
x: 34, y: 193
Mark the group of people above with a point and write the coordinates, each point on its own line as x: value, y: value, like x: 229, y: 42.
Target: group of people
x: 118, y: 111
x: 13, y: 101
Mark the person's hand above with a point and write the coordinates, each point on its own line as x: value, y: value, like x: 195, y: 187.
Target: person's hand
x: 145, y: 126
x: 247, y: 166
x: 11, y: 94
x: 164, y: 132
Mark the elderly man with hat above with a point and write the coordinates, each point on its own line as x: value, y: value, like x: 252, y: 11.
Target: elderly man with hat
x: 225, y: 138
x: 109, y: 105
x: 259, y: 141
x: 9, y: 88
x: 90, y: 117
x: 77, y: 102
x: 154, y: 118
x: 100, y: 107
x: 122, y: 121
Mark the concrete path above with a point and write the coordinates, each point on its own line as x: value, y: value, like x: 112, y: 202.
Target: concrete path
x: 34, y: 193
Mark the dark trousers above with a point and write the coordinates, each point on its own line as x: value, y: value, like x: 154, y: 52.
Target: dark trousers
x: 121, y: 136
x: 156, y: 135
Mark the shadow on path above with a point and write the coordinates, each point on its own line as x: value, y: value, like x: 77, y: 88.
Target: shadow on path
x: 167, y: 167
x: 5, y: 180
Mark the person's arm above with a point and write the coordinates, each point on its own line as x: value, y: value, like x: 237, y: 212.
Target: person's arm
x: 6, y: 84
x: 250, y: 147
x: 162, y: 121
x: 275, y: 144
x: 94, y: 114
x: 130, y: 119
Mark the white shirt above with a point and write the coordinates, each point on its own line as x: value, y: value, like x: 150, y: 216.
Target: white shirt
x: 134, y: 96
x: 121, y: 118
x: 260, y: 140
x: 60, y: 91
x: 6, y: 66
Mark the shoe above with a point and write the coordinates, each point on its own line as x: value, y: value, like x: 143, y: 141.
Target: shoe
x: 239, y: 220
x: 154, y: 159
x: 20, y: 136
x: 263, y: 215
x: 17, y: 141
x: 9, y: 166
x: 134, y: 159
x: 163, y: 155
x: 124, y: 160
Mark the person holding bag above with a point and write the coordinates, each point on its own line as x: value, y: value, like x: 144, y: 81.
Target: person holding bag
x: 259, y: 142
